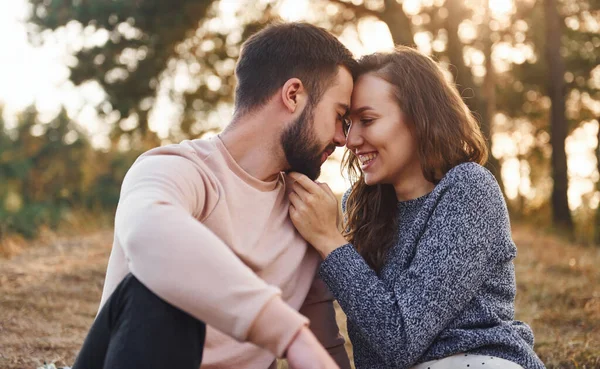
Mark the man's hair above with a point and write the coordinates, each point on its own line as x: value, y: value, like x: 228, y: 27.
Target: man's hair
x: 282, y: 51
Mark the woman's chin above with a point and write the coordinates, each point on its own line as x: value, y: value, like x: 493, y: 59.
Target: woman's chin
x: 370, y: 180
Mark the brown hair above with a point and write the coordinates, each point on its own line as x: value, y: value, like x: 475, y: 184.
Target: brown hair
x: 446, y: 132
x: 282, y: 51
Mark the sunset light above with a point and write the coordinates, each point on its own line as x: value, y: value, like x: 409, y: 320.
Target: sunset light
x: 176, y: 167
x: 39, y: 76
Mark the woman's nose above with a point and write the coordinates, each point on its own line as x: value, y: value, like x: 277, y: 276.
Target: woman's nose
x: 354, y: 138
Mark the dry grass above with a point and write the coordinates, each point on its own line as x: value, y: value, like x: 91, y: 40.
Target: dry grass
x: 559, y: 296
x: 49, y: 294
x: 50, y: 291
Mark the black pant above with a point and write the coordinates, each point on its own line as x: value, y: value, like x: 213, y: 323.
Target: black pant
x: 137, y: 329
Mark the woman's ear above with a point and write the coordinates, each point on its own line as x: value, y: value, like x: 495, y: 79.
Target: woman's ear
x: 292, y: 94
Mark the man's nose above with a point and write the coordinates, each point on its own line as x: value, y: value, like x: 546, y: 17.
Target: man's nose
x: 340, y: 138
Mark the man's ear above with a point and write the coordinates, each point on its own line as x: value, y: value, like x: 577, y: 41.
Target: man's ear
x: 293, y: 94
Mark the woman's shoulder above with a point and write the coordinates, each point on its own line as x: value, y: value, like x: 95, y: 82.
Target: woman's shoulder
x: 469, y: 171
x: 470, y: 175
x: 470, y: 182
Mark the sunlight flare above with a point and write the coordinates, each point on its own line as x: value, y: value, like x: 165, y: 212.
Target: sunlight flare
x: 500, y: 8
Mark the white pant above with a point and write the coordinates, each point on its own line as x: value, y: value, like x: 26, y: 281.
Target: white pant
x: 468, y: 361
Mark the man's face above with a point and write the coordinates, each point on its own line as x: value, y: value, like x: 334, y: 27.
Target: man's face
x: 311, y: 138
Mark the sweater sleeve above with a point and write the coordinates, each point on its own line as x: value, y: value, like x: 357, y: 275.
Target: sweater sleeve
x: 178, y: 258
x: 318, y: 308
x: 461, y: 238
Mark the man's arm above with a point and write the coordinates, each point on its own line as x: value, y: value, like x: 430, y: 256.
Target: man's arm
x: 186, y: 264
x: 318, y: 307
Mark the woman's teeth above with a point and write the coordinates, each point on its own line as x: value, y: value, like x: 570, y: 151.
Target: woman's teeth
x: 367, y: 158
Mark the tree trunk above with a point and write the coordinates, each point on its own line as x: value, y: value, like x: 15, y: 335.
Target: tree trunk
x: 488, y: 107
x: 398, y: 23
x: 558, y: 123
x: 597, y: 225
x: 462, y: 74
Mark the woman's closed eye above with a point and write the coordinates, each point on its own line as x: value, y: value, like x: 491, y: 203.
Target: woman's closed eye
x: 366, y: 121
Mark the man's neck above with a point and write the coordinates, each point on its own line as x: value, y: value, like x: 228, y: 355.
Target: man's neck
x: 255, y: 147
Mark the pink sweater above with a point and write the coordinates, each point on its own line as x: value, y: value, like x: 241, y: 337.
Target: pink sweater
x: 210, y: 239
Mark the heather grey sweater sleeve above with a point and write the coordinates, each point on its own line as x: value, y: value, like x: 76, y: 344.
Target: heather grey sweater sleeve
x: 464, y: 234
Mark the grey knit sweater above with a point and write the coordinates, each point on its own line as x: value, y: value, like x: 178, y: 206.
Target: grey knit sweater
x: 448, y: 285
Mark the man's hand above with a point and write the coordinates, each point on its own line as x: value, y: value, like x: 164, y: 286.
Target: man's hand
x: 305, y: 352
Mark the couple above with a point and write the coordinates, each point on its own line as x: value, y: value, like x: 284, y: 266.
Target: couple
x: 220, y: 260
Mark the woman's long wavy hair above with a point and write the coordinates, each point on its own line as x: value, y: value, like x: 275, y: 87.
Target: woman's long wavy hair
x: 441, y: 123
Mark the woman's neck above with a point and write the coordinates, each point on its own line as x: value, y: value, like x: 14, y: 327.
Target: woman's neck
x: 412, y: 187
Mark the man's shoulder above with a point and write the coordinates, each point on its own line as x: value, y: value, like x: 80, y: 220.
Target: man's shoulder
x: 186, y: 154
x: 185, y: 168
x: 188, y: 160
x: 191, y: 149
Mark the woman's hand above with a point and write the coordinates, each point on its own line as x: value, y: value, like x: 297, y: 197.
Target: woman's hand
x: 314, y: 212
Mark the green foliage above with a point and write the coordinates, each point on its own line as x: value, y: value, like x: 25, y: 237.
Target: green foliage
x: 142, y: 37
x: 48, y: 169
x: 579, y: 48
x: 147, y: 44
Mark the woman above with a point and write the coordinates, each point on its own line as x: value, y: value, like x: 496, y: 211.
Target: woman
x: 424, y: 268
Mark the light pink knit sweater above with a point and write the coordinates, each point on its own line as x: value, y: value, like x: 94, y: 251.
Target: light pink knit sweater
x: 210, y: 239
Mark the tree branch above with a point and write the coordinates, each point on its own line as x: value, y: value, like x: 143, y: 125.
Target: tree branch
x: 398, y: 23
x: 359, y: 10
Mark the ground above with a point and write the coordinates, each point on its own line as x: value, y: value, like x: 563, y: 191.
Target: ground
x: 50, y: 291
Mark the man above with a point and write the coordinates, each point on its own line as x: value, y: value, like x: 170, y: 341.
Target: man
x: 203, y: 243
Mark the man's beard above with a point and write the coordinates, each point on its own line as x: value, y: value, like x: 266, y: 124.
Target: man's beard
x: 301, y: 146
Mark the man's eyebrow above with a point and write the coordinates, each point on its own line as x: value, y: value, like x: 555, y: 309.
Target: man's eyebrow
x: 345, y: 107
x: 361, y: 109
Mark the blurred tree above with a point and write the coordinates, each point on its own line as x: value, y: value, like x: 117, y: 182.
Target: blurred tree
x: 140, y: 40
x: 597, y: 220
x: 48, y: 169
x: 147, y: 48
x: 26, y: 203
x: 5, y: 144
x: 558, y: 36
x: 558, y: 121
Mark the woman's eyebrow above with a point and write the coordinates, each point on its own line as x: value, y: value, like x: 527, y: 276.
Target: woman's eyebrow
x: 362, y: 109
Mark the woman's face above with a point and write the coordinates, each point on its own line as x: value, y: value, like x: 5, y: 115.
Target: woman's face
x: 380, y: 134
